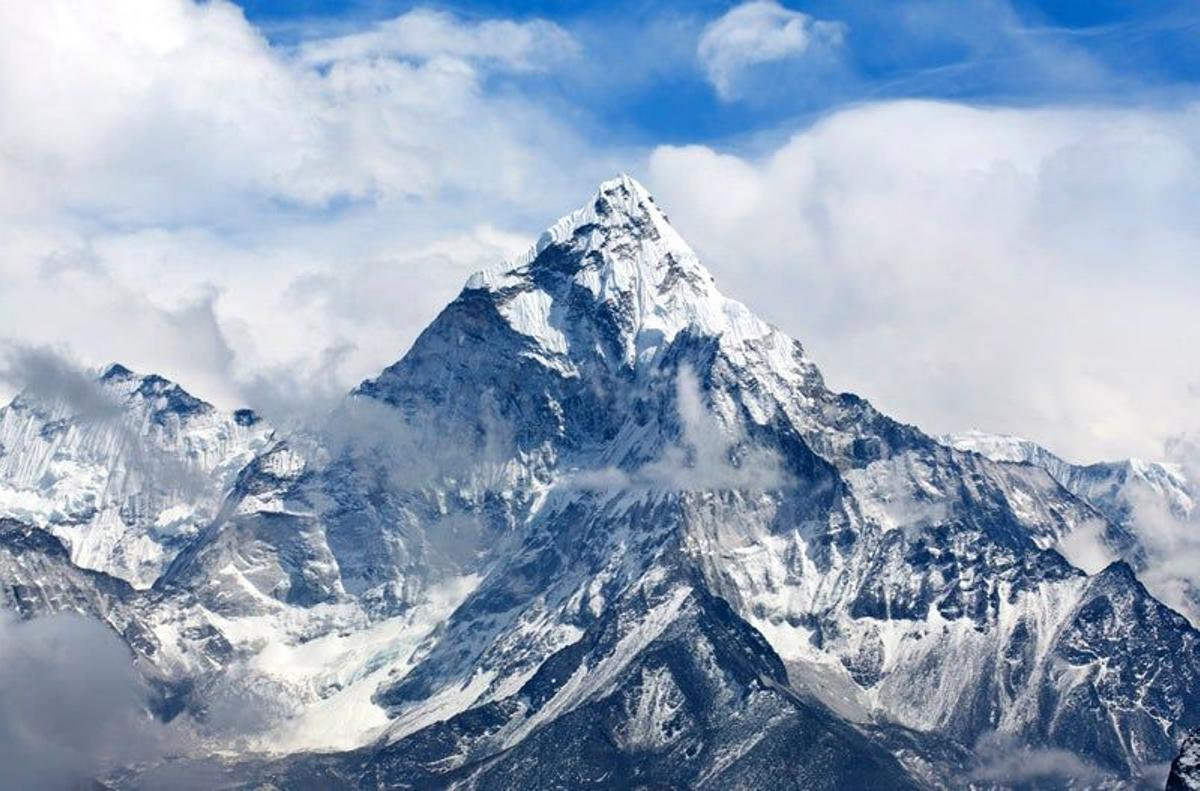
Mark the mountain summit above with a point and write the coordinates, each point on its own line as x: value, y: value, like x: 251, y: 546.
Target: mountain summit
x: 616, y: 260
x: 601, y: 526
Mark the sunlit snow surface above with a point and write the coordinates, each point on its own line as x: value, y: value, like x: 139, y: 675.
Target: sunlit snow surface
x: 127, y: 479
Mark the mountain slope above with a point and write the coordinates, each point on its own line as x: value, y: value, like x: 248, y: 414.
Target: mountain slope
x: 669, y: 690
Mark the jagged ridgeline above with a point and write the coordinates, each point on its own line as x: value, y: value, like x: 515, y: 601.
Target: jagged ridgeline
x: 603, y: 527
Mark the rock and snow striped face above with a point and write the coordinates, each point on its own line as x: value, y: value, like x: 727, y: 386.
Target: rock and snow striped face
x: 125, y: 469
x: 1149, y: 509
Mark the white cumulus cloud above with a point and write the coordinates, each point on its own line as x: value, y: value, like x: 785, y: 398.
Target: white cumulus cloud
x: 166, y: 172
x: 758, y: 32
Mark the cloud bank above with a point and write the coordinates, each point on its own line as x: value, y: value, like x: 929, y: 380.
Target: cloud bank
x: 1021, y: 271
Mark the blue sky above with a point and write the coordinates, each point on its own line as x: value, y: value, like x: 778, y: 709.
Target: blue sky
x: 638, y: 75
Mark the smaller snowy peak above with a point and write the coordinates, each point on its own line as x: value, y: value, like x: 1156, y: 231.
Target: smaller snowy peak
x: 1150, y: 508
x: 639, y: 274
x: 117, y: 373
x: 1087, y: 480
x: 124, y: 469
x: 999, y: 447
x: 160, y: 396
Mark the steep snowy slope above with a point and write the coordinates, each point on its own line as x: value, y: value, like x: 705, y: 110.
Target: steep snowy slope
x: 126, y: 478
x: 667, y: 689
x: 1151, y: 507
x: 602, y: 526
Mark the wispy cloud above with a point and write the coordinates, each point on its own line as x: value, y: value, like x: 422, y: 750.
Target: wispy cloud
x: 1002, y: 759
x: 49, y: 376
x: 421, y: 34
x: 1170, y: 532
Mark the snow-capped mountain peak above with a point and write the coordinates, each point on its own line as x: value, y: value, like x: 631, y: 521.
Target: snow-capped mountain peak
x: 621, y: 261
x: 602, y: 526
x: 619, y: 203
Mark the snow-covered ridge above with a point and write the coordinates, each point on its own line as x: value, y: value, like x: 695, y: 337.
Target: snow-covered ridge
x: 1091, y: 481
x: 124, y: 473
x: 1004, y: 447
x: 1151, y: 505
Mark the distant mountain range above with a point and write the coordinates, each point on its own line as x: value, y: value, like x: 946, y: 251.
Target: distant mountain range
x: 603, y: 527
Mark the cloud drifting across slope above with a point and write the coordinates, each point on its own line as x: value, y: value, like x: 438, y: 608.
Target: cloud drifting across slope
x: 72, y: 705
x: 701, y: 459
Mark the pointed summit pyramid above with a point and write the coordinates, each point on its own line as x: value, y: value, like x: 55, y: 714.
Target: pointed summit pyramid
x: 546, y: 345
x: 618, y: 259
x: 882, y: 567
